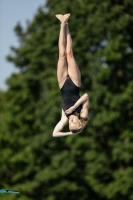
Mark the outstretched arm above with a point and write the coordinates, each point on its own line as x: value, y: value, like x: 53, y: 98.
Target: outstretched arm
x: 57, y: 130
x: 84, y: 100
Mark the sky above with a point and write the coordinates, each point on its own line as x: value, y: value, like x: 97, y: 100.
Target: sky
x: 12, y: 12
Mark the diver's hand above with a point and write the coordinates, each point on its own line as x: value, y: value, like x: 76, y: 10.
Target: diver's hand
x: 70, y: 110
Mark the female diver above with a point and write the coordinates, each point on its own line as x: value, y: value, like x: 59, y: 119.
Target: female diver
x: 74, y: 107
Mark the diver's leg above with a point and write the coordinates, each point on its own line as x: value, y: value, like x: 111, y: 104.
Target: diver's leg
x: 62, y: 70
x: 73, y: 69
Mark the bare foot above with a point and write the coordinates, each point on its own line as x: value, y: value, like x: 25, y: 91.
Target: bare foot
x: 63, y: 18
x: 60, y: 17
x: 66, y: 17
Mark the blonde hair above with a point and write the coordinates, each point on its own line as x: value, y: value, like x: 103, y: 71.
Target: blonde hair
x: 80, y: 126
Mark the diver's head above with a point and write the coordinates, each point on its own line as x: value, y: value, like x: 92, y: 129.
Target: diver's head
x: 75, y: 124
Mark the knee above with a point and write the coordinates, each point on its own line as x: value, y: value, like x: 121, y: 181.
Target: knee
x: 69, y: 53
x: 62, y: 54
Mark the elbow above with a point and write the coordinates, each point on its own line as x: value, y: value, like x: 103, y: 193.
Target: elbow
x: 87, y: 96
x: 54, y: 134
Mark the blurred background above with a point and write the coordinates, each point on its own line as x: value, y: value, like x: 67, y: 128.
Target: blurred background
x: 96, y: 164
x: 12, y: 12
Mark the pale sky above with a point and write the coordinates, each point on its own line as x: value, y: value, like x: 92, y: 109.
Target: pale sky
x: 12, y: 12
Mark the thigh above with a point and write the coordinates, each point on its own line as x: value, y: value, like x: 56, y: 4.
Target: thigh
x: 62, y: 71
x: 73, y: 70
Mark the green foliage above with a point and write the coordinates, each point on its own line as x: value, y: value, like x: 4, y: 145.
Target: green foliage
x: 96, y: 164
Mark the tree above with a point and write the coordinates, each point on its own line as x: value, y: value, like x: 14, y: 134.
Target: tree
x: 96, y: 164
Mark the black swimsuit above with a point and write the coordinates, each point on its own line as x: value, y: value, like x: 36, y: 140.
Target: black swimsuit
x: 70, y: 94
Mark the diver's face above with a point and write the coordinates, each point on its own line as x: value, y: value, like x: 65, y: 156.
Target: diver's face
x: 73, y: 119
x: 74, y: 122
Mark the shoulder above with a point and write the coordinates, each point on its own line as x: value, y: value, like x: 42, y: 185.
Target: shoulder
x: 64, y: 118
x: 84, y: 113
